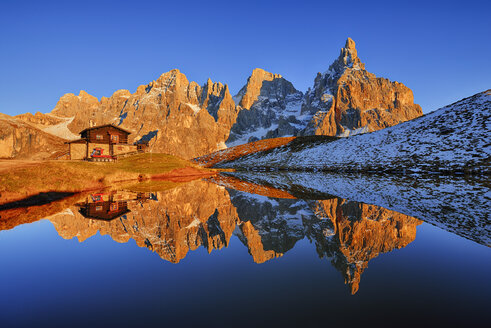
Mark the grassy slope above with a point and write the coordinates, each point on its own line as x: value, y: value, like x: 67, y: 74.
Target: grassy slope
x: 25, y: 180
x: 261, y: 146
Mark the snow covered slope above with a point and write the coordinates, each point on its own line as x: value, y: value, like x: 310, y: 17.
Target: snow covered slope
x: 455, y: 138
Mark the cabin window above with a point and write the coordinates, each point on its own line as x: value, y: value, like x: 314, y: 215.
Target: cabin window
x: 114, y: 206
x: 114, y: 138
x: 99, y: 137
x: 98, y: 208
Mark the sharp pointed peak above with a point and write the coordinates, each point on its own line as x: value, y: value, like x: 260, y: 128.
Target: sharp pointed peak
x: 350, y: 44
x: 348, y: 58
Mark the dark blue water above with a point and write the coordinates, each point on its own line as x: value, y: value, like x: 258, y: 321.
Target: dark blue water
x: 437, y: 278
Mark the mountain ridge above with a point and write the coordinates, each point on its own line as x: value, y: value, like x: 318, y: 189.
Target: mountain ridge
x: 183, y: 118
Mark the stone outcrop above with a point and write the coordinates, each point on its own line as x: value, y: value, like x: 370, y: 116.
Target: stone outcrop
x: 186, y: 119
x: 347, y: 99
x: 250, y: 92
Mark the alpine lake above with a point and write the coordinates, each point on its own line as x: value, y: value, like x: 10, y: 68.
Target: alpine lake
x: 251, y: 249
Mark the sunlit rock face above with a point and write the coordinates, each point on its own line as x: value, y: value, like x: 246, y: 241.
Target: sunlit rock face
x: 177, y: 116
x: 22, y: 140
x: 188, y: 120
x: 346, y: 99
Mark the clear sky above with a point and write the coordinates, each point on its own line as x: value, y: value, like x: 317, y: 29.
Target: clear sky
x: 439, y: 49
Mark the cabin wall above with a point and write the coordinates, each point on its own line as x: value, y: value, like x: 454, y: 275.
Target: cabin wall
x: 122, y: 149
x: 105, y: 135
x: 78, y: 150
x: 104, y: 147
x: 103, y: 210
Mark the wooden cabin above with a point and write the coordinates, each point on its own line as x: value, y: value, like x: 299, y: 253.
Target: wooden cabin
x: 109, y: 206
x: 104, y: 210
x: 101, y: 143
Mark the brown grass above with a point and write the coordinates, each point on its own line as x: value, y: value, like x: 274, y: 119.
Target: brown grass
x: 23, y: 179
x: 242, y: 150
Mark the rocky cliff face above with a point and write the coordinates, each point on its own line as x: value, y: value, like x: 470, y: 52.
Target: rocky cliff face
x: 177, y: 116
x: 185, y: 119
x: 347, y: 99
x: 22, y: 140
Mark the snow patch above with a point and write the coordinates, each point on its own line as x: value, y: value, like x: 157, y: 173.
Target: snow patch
x: 60, y: 130
x: 195, y: 108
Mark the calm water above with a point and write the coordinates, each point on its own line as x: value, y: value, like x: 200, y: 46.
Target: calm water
x: 252, y: 250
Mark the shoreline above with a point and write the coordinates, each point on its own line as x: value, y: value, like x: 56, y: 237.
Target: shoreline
x: 20, y: 180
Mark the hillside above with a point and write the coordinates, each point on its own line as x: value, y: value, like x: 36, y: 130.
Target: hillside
x: 452, y: 139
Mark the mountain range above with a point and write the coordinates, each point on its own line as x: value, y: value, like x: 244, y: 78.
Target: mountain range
x: 182, y: 118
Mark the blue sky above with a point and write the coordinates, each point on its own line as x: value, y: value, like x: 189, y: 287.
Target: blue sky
x: 439, y: 49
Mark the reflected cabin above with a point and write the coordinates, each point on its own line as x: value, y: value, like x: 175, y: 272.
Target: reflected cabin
x: 102, y: 143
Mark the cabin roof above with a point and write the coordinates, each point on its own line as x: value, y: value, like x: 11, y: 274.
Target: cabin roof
x: 103, y: 126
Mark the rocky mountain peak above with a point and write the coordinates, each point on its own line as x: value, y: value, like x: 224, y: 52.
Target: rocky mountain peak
x: 250, y: 92
x: 268, y: 106
x: 260, y: 74
x: 348, y: 100
x: 348, y: 58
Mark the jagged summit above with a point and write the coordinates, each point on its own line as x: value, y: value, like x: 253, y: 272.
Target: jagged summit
x: 348, y: 100
x: 268, y: 106
x: 348, y: 58
x: 250, y: 92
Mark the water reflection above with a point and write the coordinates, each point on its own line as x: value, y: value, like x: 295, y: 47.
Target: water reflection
x: 269, y: 221
x: 204, y: 214
x: 108, y: 205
